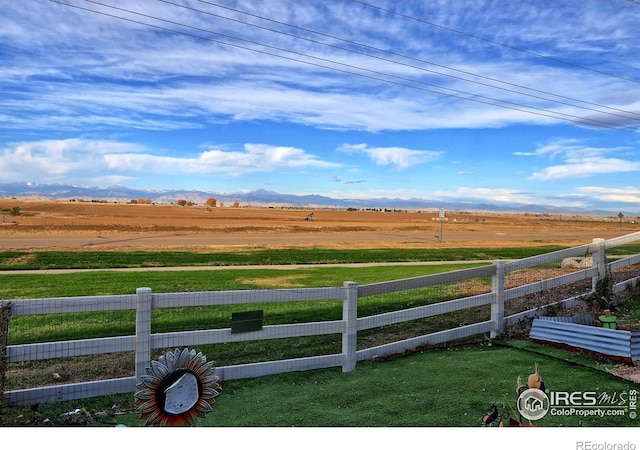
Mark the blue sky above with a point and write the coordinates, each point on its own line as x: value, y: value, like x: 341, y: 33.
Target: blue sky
x: 506, y: 102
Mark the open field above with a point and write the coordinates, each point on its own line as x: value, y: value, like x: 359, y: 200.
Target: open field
x: 48, y: 225
x: 99, y: 228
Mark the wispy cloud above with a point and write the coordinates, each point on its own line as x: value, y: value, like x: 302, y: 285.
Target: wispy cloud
x: 251, y: 159
x: 56, y: 160
x: 51, y: 160
x: 79, y: 89
x: 398, y: 157
x: 629, y: 194
x: 148, y: 79
x: 587, y: 167
x: 355, y: 181
x: 582, y: 161
x: 491, y: 195
x: 509, y: 197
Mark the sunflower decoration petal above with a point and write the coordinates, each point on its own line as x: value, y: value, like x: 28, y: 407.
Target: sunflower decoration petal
x: 181, y: 370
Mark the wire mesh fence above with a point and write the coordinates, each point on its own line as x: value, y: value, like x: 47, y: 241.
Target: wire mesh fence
x: 80, y: 340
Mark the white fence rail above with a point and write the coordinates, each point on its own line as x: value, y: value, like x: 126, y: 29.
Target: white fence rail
x: 145, y: 301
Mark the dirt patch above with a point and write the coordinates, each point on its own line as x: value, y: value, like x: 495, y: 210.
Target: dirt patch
x: 19, y: 260
x: 627, y: 372
x: 285, y: 281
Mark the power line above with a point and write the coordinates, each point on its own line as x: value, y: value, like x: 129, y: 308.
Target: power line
x: 457, y: 91
x: 515, y: 106
x: 407, y: 57
x: 511, y: 47
x: 468, y: 96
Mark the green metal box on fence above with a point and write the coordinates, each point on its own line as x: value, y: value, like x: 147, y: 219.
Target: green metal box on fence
x: 246, y: 321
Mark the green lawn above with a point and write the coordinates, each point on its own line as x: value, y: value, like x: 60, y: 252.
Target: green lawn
x: 437, y: 387
x: 440, y: 387
x: 19, y: 260
x: 22, y: 260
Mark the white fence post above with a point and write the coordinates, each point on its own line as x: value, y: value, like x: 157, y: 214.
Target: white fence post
x: 350, y: 332
x: 143, y: 331
x: 497, y: 307
x: 599, y: 262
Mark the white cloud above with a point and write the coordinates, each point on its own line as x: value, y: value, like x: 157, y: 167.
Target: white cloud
x: 253, y: 158
x: 398, y: 157
x: 508, y: 197
x: 472, y: 195
x: 581, y: 161
x: 493, y: 195
x: 586, y: 167
x: 54, y: 160
x: 621, y: 195
x: 99, y: 161
x: 86, y: 69
x: 66, y: 71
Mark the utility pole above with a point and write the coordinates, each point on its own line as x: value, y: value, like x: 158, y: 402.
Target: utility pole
x: 441, y: 215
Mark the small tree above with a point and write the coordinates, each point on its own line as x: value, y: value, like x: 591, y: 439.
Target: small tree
x: 211, y: 202
x: 181, y: 202
x: 236, y: 204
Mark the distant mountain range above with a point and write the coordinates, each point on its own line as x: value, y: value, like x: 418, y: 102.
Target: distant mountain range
x: 261, y: 197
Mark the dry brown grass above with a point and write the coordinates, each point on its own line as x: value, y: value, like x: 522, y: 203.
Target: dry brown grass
x: 45, y: 224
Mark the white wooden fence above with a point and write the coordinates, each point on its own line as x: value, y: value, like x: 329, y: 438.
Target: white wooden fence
x: 144, y: 301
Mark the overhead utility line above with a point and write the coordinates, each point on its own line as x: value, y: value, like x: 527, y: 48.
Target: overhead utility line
x: 581, y: 119
x: 474, y: 97
x: 631, y: 113
x: 511, y: 47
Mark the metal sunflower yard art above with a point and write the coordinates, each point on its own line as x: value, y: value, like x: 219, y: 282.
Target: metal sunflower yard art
x: 177, y: 389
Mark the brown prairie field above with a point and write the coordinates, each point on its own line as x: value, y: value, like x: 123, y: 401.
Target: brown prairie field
x: 96, y: 226
x: 84, y: 225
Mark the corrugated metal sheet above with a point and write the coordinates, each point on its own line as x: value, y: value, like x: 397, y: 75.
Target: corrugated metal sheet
x: 582, y: 319
x: 605, y: 341
x: 635, y: 346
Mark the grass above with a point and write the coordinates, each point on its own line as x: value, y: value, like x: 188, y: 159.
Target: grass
x: 23, y: 260
x: 29, y: 285
x: 436, y: 387
x: 88, y: 259
x: 31, y: 329
x: 58, y: 327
